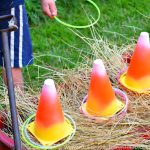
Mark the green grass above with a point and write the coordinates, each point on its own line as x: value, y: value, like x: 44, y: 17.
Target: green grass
x: 121, y: 21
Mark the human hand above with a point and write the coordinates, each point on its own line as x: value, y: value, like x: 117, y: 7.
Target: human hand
x: 49, y: 8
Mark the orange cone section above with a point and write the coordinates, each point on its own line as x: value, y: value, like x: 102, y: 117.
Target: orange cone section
x: 49, y: 126
x: 49, y: 110
x: 137, y: 76
x: 101, y: 100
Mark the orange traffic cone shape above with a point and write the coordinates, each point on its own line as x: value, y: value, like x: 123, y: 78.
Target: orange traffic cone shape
x: 137, y: 77
x: 101, y: 100
x: 50, y: 126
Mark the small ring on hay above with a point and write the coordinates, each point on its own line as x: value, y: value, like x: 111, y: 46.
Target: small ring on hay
x: 26, y: 137
x: 119, y: 115
x: 121, y: 79
x: 84, y: 26
x: 124, y: 148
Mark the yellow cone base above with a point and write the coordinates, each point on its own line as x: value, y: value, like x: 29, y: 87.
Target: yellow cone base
x: 110, y: 111
x: 52, y: 135
x: 133, y: 86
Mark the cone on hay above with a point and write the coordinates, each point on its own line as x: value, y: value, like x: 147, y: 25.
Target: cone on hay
x: 50, y: 125
x: 137, y: 76
x: 101, y: 100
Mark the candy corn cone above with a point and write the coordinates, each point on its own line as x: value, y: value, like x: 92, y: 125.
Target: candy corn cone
x: 101, y: 99
x: 50, y: 126
x: 137, y: 77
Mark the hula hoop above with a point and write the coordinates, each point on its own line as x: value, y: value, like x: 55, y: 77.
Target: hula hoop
x: 36, y: 145
x: 84, y: 26
x: 121, y: 113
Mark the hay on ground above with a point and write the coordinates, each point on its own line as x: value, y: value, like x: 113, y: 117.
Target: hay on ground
x: 91, y: 135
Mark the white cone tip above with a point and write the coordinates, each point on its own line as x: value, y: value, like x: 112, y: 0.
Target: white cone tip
x: 144, y: 38
x: 49, y: 82
x: 144, y: 34
x: 98, y: 66
x: 99, y: 62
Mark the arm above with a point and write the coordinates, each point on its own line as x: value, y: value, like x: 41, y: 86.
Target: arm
x: 49, y: 8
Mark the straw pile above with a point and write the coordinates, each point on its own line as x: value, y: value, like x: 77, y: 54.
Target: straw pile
x: 91, y: 135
